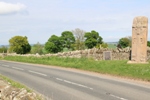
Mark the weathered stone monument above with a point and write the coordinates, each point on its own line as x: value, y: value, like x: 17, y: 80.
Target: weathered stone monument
x: 139, y: 40
x: 107, y: 55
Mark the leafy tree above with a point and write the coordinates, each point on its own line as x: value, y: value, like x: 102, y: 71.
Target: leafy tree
x: 91, y: 42
x: 148, y: 43
x: 50, y: 47
x: 54, y: 44
x: 19, y: 44
x: 79, y: 39
x: 37, y: 48
x: 68, y: 39
x: 125, y: 42
x: 92, y: 39
x: 104, y: 45
x: 3, y: 49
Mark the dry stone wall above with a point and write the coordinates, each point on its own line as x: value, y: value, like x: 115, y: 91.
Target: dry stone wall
x: 97, y: 54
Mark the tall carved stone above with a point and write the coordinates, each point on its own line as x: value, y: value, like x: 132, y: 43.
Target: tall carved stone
x: 139, y: 40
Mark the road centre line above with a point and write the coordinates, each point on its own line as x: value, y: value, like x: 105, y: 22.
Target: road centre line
x: 80, y: 85
x: 17, y: 68
x: 37, y: 73
x: 117, y: 97
x: 6, y: 65
x: 59, y: 79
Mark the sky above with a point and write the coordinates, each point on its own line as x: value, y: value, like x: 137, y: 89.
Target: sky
x: 39, y: 19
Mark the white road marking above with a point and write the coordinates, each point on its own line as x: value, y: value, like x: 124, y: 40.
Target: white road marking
x: 118, y: 97
x: 59, y: 79
x: 17, y: 68
x: 6, y: 65
x: 37, y: 73
x: 80, y: 85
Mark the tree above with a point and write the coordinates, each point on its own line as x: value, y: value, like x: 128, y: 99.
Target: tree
x: 3, y: 49
x: 54, y: 44
x: 79, y: 39
x: 92, y: 39
x: 125, y: 42
x: 37, y: 48
x: 68, y: 39
x: 50, y: 47
x: 19, y: 44
x: 104, y: 45
x: 148, y: 43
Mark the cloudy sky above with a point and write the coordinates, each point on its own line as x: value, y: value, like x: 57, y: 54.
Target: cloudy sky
x: 39, y: 19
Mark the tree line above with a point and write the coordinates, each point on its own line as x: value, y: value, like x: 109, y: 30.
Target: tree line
x: 75, y: 40
x: 70, y: 40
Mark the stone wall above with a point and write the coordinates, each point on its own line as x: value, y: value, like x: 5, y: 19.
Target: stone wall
x: 97, y: 54
x: 117, y: 54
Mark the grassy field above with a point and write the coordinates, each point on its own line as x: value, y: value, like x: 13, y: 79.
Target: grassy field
x: 111, y: 46
x: 114, y: 67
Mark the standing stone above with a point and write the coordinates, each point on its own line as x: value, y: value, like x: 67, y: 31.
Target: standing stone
x: 139, y: 40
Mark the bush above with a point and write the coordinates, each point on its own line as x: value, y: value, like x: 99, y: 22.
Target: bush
x: 3, y: 49
x: 125, y: 42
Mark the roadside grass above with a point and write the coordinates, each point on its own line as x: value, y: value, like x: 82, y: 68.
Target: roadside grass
x: 18, y: 85
x: 14, y: 84
x: 112, y: 67
x: 0, y: 57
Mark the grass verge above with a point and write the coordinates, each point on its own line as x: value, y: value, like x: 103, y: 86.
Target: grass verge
x: 18, y: 85
x: 112, y: 67
x: 14, y: 84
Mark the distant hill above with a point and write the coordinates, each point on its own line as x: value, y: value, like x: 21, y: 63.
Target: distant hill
x: 4, y: 45
x: 112, y: 42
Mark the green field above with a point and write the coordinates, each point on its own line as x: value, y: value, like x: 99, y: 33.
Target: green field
x: 114, y: 67
x: 112, y: 46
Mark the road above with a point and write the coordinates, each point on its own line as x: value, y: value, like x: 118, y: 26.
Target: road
x: 67, y: 84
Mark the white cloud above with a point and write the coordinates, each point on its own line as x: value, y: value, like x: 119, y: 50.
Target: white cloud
x: 8, y: 8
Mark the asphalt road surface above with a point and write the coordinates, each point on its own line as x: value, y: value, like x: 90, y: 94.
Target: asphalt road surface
x: 63, y: 84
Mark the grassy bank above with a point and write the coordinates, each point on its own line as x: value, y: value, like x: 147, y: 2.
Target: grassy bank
x: 13, y: 83
x: 117, y: 68
x: 19, y: 86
